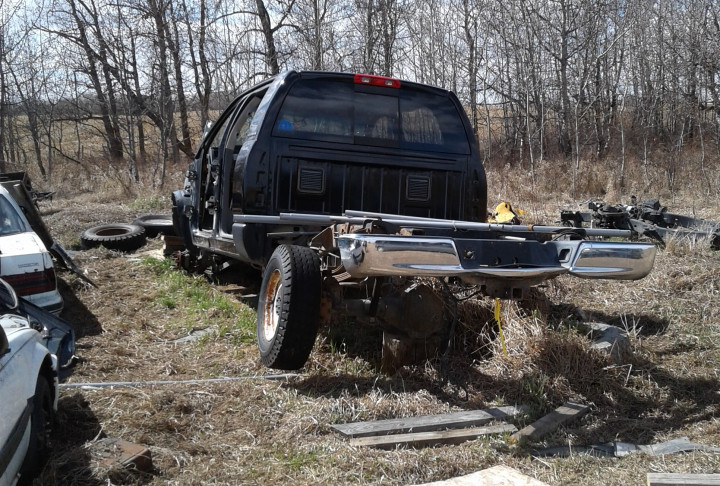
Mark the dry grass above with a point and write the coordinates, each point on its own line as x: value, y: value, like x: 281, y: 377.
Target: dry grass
x: 256, y: 431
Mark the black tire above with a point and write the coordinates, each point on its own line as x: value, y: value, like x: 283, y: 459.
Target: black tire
x: 289, y: 307
x: 156, y: 224
x: 116, y: 236
x: 41, y: 423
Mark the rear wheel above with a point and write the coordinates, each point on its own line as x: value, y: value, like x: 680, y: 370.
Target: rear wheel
x: 41, y: 422
x: 288, y: 307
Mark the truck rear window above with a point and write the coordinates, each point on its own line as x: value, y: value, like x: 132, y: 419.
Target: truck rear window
x: 334, y: 111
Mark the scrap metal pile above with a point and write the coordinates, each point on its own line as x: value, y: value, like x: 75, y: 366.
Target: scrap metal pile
x: 649, y: 219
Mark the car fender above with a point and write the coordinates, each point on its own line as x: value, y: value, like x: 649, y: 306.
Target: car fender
x: 28, y: 351
x: 26, y: 361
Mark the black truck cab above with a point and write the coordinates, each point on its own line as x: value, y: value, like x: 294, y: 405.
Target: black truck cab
x: 321, y: 143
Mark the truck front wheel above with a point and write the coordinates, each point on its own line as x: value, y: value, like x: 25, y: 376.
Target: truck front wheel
x: 288, y: 308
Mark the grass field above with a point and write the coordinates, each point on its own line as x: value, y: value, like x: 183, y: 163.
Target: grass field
x: 259, y: 431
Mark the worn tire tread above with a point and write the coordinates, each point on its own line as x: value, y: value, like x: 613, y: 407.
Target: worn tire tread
x: 132, y: 238
x: 298, y: 327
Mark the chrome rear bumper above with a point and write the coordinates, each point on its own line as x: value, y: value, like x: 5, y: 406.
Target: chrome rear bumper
x: 369, y: 255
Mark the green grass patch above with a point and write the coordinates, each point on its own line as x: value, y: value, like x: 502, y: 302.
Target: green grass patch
x: 201, y: 305
x: 298, y: 460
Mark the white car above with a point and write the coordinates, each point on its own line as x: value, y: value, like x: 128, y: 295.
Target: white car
x: 28, y: 389
x: 25, y: 262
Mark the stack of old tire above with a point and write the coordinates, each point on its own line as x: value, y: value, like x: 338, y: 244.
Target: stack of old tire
x: 127, y: 237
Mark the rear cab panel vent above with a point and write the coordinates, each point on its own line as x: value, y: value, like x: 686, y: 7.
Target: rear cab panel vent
x: 311, y: 180
x: 418, y: 188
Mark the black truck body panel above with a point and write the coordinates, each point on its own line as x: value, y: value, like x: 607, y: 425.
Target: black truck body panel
x: 257, y: 160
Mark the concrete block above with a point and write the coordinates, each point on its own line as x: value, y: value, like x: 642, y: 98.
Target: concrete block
x: 608, y: 339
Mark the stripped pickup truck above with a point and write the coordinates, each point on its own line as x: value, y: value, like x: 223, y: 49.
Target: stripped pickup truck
x: 344, y: 188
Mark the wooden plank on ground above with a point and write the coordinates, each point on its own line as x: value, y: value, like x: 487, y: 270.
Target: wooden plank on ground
x: 550, y: 422
x: 423, y: 439
x: 671, y: 479
x: 427, y: 423
x: 494, y: 476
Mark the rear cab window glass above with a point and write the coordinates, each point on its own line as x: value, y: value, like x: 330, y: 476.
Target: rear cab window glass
x: 317, y: 110
x: 405, y: 118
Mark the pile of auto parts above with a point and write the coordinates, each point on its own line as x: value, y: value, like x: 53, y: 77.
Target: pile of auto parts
x: 649, y: 219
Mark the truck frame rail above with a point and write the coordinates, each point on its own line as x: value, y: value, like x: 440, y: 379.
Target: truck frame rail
x: 504, y: 257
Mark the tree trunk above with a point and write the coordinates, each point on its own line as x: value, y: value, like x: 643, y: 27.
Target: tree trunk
x: 470, y: 28
x: 203, y: 86
x: 369, y: 51
x: 564, y: 135
x: 5, y: 151
x: 270, y: 51
x: 167, y: 109
x: 317, y: 38
x: 30, y: 103
x: 115, y: 150
x: 138, y: 112
x: 115, y: 144
x: 173, y: 42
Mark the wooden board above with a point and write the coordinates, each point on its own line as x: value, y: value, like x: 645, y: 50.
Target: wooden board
x: 669, y: 479
x: 422, y: 439
x: 550, y: 422
x: 494, y: 476
x: 427, y: 423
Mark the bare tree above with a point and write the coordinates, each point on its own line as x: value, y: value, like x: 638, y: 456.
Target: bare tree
x: 599, y: 78
x: 471, y: 20
x: 172, y: 34
x: 317, y: 35
x: 198, y: 61
x: 7, y: 142
x: 85, y: 17
x: 269, y: 30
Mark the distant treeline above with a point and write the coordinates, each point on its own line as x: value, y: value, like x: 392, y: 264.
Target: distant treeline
x: 573, y: 80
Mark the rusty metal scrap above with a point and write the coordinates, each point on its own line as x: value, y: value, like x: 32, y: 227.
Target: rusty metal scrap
x: 646, y: 219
